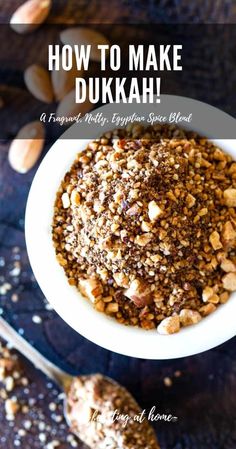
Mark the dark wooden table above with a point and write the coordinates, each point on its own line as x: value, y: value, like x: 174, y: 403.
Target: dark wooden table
x: 202, y: 393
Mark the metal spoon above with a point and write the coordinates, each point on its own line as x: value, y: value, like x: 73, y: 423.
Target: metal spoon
x: 93, y: 394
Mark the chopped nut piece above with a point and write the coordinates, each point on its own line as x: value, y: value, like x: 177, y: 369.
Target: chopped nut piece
x: 207, y: 293
x: 232, y: 168
x: 224, y: 297
x: 121, y: 279
x: 190, y: 200
x: 100, y: 306
x: 75, y: 198
x: 143, y: 239
x: 65, y: 200
x: 214, y: 299
x: 228, y: 235
x: 230, y: 197
x: 61, y: 260
x: 215, y: 240
x: 134, y: 210
x: 207, y: 309
x: 9, y: 382
x: 168, y: 381
x: 188, y: 317
x: 140, y: 293
x: 229, y: 282
x: 203, y: 212
x: 112, y: 307
x: 219, y: 155
x: 11, y: 408
x: 169, y: 325
x: 103, y: 273
x: 118, y: 196
x: 154, y: 210
x: 91, y: 288
x: 145, y: 226
x: 227, y: 266
x: 98, y: 207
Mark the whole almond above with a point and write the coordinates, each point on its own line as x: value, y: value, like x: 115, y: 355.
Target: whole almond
x: 84, y: 36
x: 39, y: 83
x: 30, y: 15
x: 27, y: 146
x: 64, y: 81
x: 69, y: 108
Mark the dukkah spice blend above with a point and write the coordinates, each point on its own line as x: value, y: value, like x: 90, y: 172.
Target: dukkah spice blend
x: 145, y: 226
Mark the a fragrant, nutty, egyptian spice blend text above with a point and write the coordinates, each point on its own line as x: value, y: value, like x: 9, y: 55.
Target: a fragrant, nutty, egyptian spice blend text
x: 145, y: 226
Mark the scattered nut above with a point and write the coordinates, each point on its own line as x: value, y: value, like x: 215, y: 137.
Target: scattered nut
x: 38, y: 82
x: 30, y: 15
x: 69, y: 109
x: 27, y: 146
x: 84, y: 36
x: 63, y: 82
x: 11, y: 408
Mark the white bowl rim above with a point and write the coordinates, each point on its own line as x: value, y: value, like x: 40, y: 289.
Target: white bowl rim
x: 76, y: 310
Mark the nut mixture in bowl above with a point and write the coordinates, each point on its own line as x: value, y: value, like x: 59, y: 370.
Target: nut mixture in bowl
x: 145, y: 226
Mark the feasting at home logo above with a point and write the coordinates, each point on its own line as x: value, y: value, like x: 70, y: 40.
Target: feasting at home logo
x: 151, y: 415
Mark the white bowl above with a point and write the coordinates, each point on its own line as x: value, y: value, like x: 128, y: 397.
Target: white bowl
x: 68, y: 302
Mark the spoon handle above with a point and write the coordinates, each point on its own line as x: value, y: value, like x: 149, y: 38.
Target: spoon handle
x: 49, y: 369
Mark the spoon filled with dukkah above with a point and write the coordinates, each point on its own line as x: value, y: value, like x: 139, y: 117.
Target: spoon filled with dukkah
x: 98, y: 410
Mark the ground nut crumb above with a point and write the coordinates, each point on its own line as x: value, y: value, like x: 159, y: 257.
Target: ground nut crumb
x: 145, y: 226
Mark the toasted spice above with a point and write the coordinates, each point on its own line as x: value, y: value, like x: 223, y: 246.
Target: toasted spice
x: 146, y: 217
